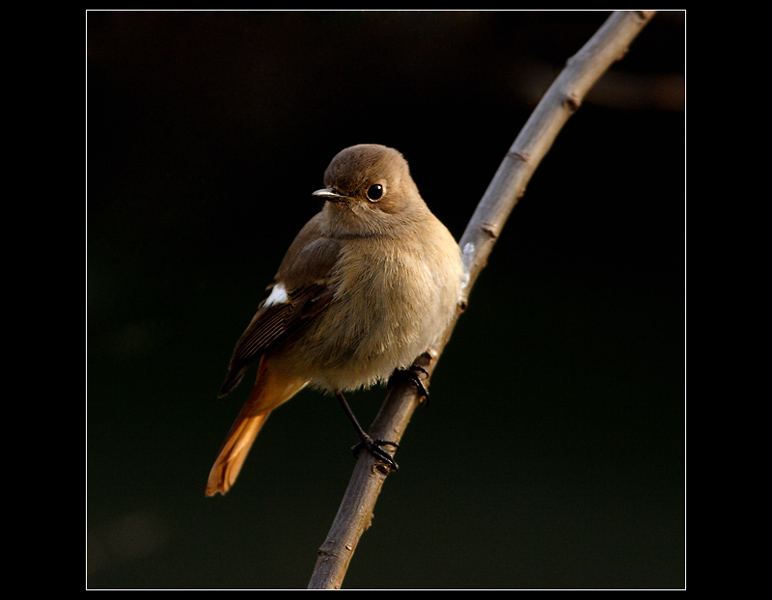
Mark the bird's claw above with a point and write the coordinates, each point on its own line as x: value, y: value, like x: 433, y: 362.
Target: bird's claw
x: 411, y: 374
x: 374, y: 447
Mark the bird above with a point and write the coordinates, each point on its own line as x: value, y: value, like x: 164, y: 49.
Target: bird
x: 368, y: 285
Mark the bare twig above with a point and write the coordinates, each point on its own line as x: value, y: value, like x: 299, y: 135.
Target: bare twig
x: 561, y: 100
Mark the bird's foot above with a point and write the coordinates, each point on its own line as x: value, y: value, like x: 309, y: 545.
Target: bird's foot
x: 411, y: 375
x: 375, y: 448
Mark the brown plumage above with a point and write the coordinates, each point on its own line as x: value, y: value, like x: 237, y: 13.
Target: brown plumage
x: 367, y: 285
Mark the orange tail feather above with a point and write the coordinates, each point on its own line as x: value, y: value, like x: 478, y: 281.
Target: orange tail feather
x: 233, y: 453
x: 271, y: 389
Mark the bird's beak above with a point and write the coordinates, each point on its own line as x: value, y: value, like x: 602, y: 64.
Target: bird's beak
x: 330, y: 194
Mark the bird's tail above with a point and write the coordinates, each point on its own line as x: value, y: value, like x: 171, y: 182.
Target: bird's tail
x: 271, y: 389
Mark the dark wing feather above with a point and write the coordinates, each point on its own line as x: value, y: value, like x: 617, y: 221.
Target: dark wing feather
x: 306, y: 272
x: 270, y: 326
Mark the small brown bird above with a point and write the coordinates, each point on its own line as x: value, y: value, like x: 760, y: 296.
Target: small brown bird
x: 369, y: 284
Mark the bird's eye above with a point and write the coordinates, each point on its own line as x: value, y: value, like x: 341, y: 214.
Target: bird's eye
x: 375, y: 192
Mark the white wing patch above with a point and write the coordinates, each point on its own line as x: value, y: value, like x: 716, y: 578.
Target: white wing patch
x: 278, y: 296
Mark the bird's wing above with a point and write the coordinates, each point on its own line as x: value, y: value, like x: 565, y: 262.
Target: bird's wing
x: 303, y: 287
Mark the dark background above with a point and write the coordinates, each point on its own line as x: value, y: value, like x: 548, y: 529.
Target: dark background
x: 552, y: 453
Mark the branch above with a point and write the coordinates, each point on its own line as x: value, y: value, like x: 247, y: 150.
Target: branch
x: 561, y: 100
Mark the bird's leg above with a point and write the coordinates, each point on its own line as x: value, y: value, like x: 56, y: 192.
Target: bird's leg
x: 411, y: 375
x: 366, y: 442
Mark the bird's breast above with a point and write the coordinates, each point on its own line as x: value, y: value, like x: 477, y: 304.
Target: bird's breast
x: 389, y: 306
